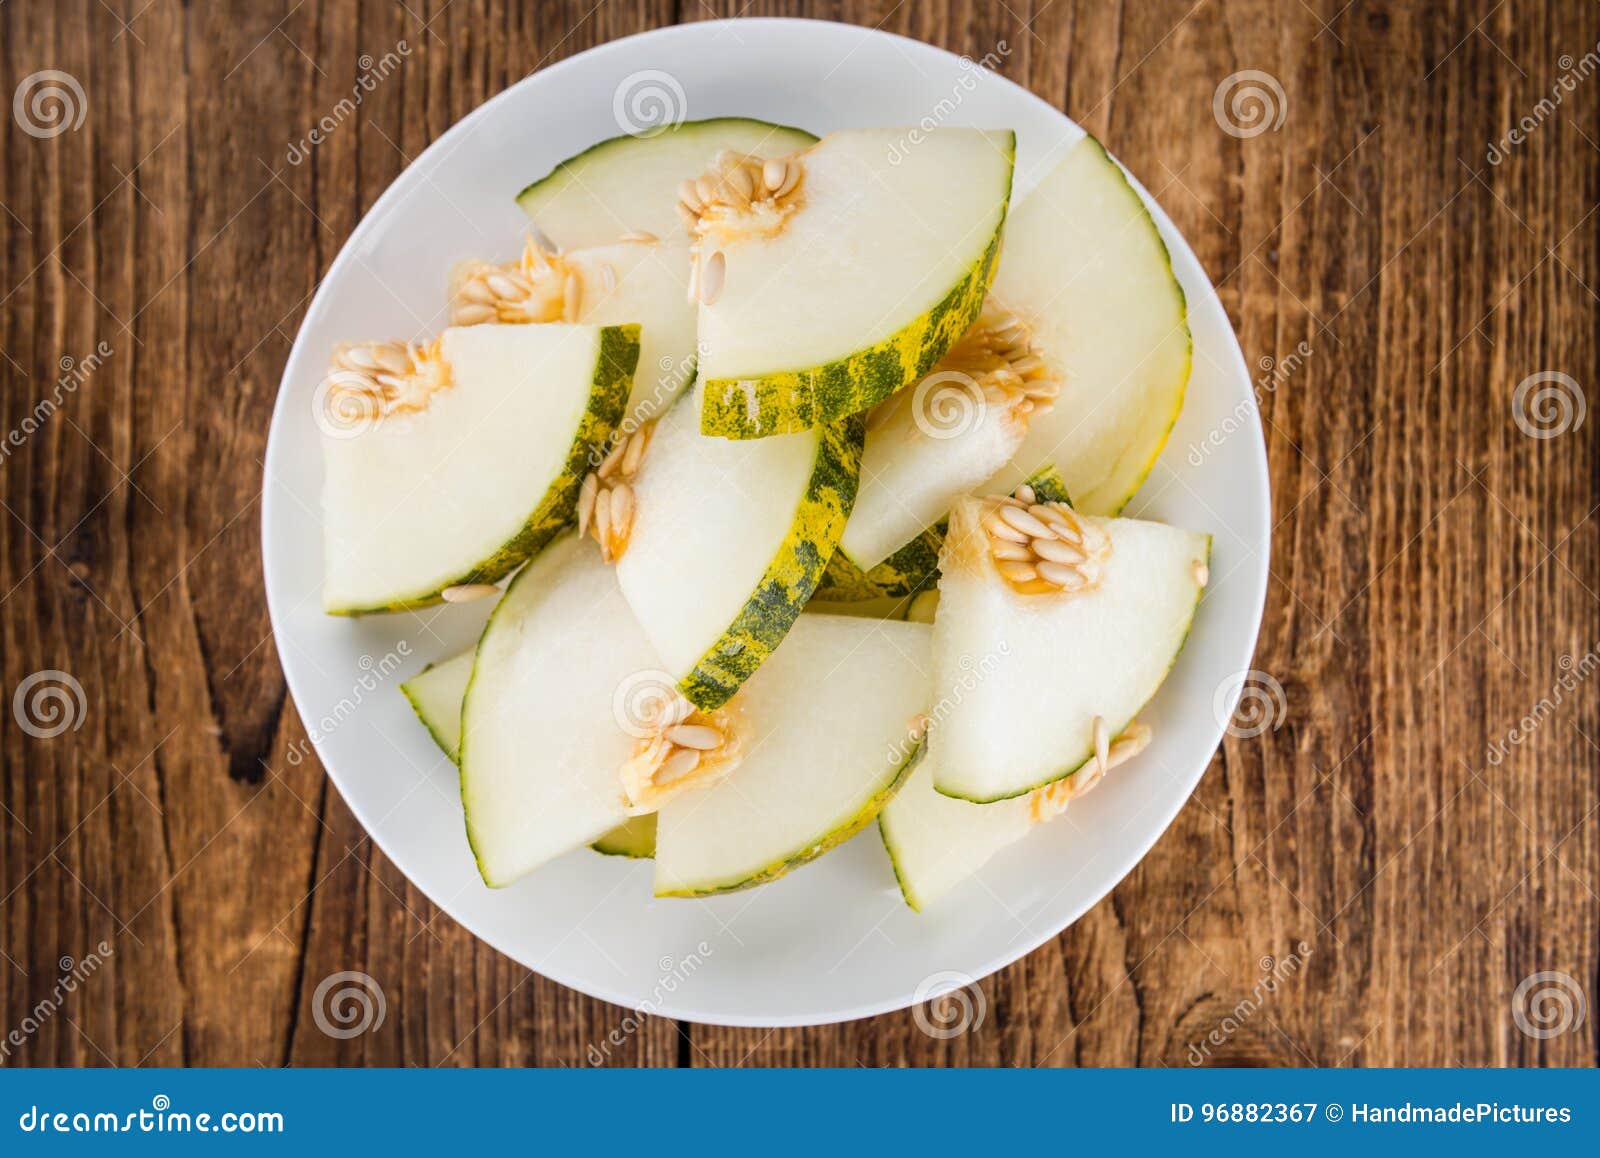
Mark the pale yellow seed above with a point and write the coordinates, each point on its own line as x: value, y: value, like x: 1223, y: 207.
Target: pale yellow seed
x: 701, y: 737
x: 467, y: 592
x: 474, y: 314
x: 1202, y: 573
x: 632, y: 457
x: 1000, y: 529
x: 773, y: 174
x: 1063, y: 576
x: 1006, y: 549
x: 622, y: 507
x: 1016, y: 572
x: 613, y: 460
x: 587, y: 494
x: 1025, y: 522
x: 689, y: 196
x: 676, y: 766
x: 602, y: 522
x: 1102, y: 742
x: 711, y: 278
x: 1025, y: 494
x: 477, y: 290
x: 1057, y: 551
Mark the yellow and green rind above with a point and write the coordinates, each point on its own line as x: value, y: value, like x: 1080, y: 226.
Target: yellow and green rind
x: 422, y: 716
x: 863, y: 817
x: 608, y: 400
x: 1117, y: 726
x: 894, y: 863
x: 915, y: 567
x: 566, y: 170
x: 793, y: 574
x: 635, y: 838
x: 790, y: 400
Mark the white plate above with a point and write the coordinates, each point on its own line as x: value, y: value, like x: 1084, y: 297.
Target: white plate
x: 832, y: 941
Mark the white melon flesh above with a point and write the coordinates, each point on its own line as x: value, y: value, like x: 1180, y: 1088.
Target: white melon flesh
x: 829, y: 719
x: 645, y: 283
x: 936, y: 842
x: 881, y: 264
x: 629, y: 184
x: 917, y: 459
x: 541, y: 744
x: 436, y: 693
x: 728, y: 543
x: 1084, y: 265
x: 1042, y: 667
x: 466, y: 488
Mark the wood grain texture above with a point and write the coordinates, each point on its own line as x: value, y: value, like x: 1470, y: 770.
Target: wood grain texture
x: 1434, y: 568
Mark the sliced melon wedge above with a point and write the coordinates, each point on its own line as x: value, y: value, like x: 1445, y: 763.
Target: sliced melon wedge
x: 449, y: 465
x: 542, y: 738
x: 635, y: 838
x: 835, y: 716
x: 1065, y: 650
x: 1085, y: 267
x: 628, y: 282
x: 629, y: 183
x: 436, y: 693
x: 936, y: 842
x: 832, y: 278
x: 729, y: 540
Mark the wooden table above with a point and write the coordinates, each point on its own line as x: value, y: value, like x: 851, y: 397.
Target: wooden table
x: 1433, y: 578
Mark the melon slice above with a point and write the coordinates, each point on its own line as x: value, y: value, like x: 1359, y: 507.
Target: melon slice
x: 1077, y: 627
x: 637, y: 281
x: 832, y: 278
x: 836, y: 715
x: 729, y: 540
x: 542, y: 738
x: 449, y: 465
x: 436, y: 693
x: 629, y: 183
x: 935, y: 842
x: 1086, y: 269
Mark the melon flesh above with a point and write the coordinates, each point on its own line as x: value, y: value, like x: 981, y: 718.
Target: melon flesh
x: 541, y: 745
x: 728, y: 543
x: 936, y: 842
x: 1035, y: 670
x: 1084, y: 265
x: 644, y: 283
x: 629, y: 184
x: 436, y: 694
x: 463, y: 490
x: 916, y: 461
x: 829, y: 719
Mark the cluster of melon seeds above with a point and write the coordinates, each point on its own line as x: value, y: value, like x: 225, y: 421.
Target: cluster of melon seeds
x: 379, y: 379
x: 1044, y: 548
x: 1051, y: 800
x: 739, y: 196
x: 537, y: 287
x: 1000, y: 355
x: 685, y: 749
x: 607, y: 504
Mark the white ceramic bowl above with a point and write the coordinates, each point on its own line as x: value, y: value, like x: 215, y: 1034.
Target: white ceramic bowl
x: 831, y: 941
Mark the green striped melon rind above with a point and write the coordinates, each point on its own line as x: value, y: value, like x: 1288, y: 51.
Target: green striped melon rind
x: 790, y: 400
x: 634, y: 839
x: 868, y: 813
x: 1117, y: 727
x: 576, y: 161
x: 608, y: 400
x: 915, y: 567
x: 793, y: 574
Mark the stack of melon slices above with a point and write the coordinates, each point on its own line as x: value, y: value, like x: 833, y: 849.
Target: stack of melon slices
x: 775, y: 437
